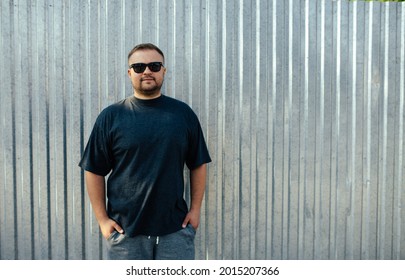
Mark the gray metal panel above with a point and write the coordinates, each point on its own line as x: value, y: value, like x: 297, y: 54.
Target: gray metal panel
x: 301, y: 102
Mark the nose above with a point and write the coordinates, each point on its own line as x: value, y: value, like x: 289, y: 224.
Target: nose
x: 147, y: 70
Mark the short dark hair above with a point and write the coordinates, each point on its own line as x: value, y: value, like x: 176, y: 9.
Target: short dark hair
x: 146, y: 46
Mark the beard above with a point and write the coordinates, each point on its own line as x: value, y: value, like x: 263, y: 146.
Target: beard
x: 148, y: 89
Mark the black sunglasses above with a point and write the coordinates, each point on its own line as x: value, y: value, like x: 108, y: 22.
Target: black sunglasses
x: 140, y: 67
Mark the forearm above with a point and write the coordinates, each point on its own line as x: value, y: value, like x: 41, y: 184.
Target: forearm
x: 197, y: 187
x: 96, y: 191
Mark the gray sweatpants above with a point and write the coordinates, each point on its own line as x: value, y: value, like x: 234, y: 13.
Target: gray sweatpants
x: 175, y: 246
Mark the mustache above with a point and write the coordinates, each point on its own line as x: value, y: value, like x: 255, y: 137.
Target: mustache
x: 147, y: 77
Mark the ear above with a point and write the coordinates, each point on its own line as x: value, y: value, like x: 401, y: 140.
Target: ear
x: 129, y: 73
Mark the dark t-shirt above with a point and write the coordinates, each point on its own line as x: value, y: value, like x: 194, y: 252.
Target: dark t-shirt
x: 145, y: 144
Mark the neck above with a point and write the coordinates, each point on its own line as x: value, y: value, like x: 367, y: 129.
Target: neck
x: 147, y: 96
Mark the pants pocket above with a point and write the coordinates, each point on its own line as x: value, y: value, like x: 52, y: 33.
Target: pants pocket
x: 191, y: 228
x: 189, y: 232
x: 115, y: 238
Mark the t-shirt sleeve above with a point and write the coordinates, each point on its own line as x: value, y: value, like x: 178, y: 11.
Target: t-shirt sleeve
x: 198, y: 152
x: 97, y: 156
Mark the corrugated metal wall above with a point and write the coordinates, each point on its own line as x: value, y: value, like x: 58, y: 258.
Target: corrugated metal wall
x: 302, y: 104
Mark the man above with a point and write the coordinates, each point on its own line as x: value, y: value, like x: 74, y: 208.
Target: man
x: 143, y: 143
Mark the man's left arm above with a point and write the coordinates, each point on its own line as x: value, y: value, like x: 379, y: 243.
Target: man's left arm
x: 197, y: 189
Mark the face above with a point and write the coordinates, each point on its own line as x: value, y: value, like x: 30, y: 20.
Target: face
x: 146, y: 85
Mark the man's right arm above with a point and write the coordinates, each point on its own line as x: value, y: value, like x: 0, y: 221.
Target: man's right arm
x: 96, y: 191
